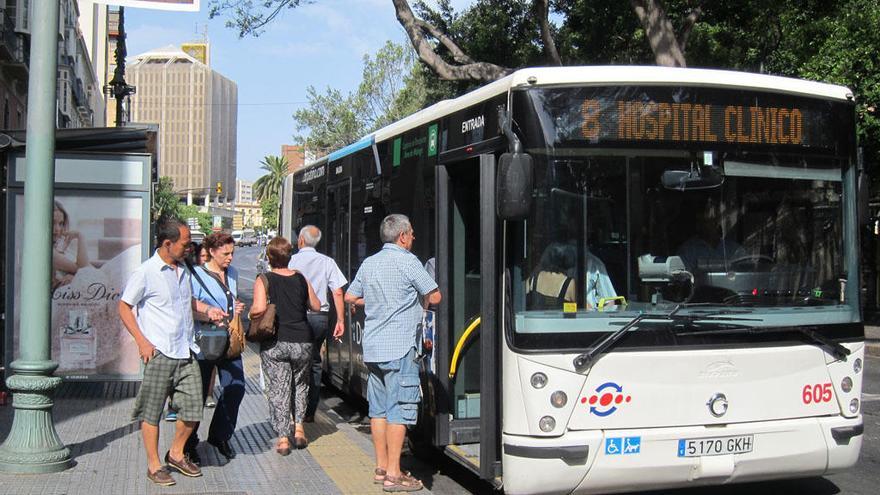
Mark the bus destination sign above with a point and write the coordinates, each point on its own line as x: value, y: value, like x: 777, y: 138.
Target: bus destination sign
x: 676, y: 116
x: 664, y: 121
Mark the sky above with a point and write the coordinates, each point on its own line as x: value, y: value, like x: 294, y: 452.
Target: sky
x: 318, y: 45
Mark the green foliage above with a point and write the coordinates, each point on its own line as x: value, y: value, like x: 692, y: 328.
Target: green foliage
x: 165, y: 202
x: 392, y: 87
x: 269, y: 206
x: 331, y: 120
x: 249, y: 17
x: 206, y: 222
x: 825, y: 40
x: 269, y: 185
x: 847, y: 52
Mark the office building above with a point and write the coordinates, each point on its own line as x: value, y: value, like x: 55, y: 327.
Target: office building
x: 197, y: 110
x: 244, y: 191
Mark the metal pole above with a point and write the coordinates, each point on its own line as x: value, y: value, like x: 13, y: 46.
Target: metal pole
x: 120, y: 70
x: 33, y: 445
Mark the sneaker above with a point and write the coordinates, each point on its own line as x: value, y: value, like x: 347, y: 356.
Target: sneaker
x: 171, y: 415
x: 161, y: 477
x: 184, y: 466
x: 210, y: 402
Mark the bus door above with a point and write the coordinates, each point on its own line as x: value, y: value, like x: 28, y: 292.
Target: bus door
x: 336, y: 242
x: 467, y: 344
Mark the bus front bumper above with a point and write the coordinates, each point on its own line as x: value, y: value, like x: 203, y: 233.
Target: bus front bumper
x: 596, y: 461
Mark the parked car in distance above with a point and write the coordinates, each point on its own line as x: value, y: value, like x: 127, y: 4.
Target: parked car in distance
x: 248, y: 238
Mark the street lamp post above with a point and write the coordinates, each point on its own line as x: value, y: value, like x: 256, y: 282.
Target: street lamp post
x: 33, y: 445
x: 117, y: 87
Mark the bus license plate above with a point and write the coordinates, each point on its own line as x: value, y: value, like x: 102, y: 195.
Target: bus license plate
x: 696, y: 447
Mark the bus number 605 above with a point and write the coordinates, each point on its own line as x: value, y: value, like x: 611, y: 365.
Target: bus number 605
x: 820, y: 392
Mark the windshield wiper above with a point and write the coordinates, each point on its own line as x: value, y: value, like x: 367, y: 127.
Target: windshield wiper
x: 831, y: 347
x: 585, y: 360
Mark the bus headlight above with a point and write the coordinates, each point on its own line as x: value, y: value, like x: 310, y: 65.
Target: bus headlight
x: 558, y: 399
x: 853, y: 406
x: 547, y: 424
x: 857, y: 365
x: 539, y: 380
x: 846, y: 384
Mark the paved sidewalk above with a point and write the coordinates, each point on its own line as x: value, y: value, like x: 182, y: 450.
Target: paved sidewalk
x: 94, y: 420
x: 872, y: 340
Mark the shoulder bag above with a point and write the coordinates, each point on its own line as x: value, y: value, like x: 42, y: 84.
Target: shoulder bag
x: 212, y: 338
x: 263, y: 327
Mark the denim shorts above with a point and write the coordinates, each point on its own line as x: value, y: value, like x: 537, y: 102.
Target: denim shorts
x: 393, y: 390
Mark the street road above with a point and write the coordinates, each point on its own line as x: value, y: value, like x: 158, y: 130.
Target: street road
x: 863, y: 479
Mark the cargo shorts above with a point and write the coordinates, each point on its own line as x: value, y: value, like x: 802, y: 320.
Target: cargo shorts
x: 393, y: 390
x: 163, y: 377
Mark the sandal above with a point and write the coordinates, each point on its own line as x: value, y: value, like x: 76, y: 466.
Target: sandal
x: 379, y: 477
x: 403, y: 483
x: 299, y: 438
x: 300, y: 442
x: 283, y: 447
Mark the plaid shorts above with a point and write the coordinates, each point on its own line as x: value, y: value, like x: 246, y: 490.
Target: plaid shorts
x: 163, y: 377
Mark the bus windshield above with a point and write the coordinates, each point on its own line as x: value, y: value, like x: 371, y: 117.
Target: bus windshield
x: 613, y: 233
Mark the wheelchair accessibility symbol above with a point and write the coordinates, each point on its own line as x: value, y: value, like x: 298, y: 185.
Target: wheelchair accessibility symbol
x: 623, y: 445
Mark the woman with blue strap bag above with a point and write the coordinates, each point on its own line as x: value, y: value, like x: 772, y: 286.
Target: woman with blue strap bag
x: 216, y: 283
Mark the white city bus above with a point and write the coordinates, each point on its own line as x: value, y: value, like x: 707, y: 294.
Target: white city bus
x: 650, y: 275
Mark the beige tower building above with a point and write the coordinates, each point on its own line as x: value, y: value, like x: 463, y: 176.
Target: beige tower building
x: 197, y: 111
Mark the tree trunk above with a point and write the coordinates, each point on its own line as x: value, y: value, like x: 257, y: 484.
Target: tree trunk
x: 542, y: 9
x: 661, y: 35
x: 468, y: 71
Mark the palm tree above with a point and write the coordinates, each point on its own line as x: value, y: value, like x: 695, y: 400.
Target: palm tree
x: 270, y: 184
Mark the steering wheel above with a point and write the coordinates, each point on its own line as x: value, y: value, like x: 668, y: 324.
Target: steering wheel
x: 751, y: 261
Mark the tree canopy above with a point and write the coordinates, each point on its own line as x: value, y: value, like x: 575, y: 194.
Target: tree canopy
x: 269, y: 184
x: 392, y: 86
x: 166, y: 203
x: 826, y: 40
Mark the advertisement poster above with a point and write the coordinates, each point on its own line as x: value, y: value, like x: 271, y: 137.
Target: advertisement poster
x: 96, y: 246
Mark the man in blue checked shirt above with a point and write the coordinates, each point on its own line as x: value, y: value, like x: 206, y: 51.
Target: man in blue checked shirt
x: 388, y: 285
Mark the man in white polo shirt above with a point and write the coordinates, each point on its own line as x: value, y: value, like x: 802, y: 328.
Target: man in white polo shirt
x: 163, y: 330
x: 323, y: 273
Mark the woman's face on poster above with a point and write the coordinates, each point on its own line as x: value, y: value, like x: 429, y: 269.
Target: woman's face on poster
x: 59, y: 224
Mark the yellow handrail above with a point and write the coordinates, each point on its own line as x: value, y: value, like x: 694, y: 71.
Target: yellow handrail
x: 460, y: 345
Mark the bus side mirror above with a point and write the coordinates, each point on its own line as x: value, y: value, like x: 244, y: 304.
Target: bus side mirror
x: 513, y: 186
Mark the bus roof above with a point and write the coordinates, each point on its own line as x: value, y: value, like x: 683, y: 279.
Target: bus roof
x: 598, y: 75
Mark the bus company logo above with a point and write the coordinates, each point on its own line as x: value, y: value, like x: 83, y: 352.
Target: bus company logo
x: 720, y: 369
x: 608, y: 397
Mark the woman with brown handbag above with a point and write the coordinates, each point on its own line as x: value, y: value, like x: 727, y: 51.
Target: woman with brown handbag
x: 216, y: 283
x: 286, y: 358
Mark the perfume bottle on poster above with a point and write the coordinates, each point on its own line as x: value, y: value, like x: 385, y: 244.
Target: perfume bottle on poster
x: 79, y: 345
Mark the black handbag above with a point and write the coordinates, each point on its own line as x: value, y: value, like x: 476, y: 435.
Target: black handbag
x: 212, y: 338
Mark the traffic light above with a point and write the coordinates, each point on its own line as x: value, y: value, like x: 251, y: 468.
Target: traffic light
x: 219, y: 188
